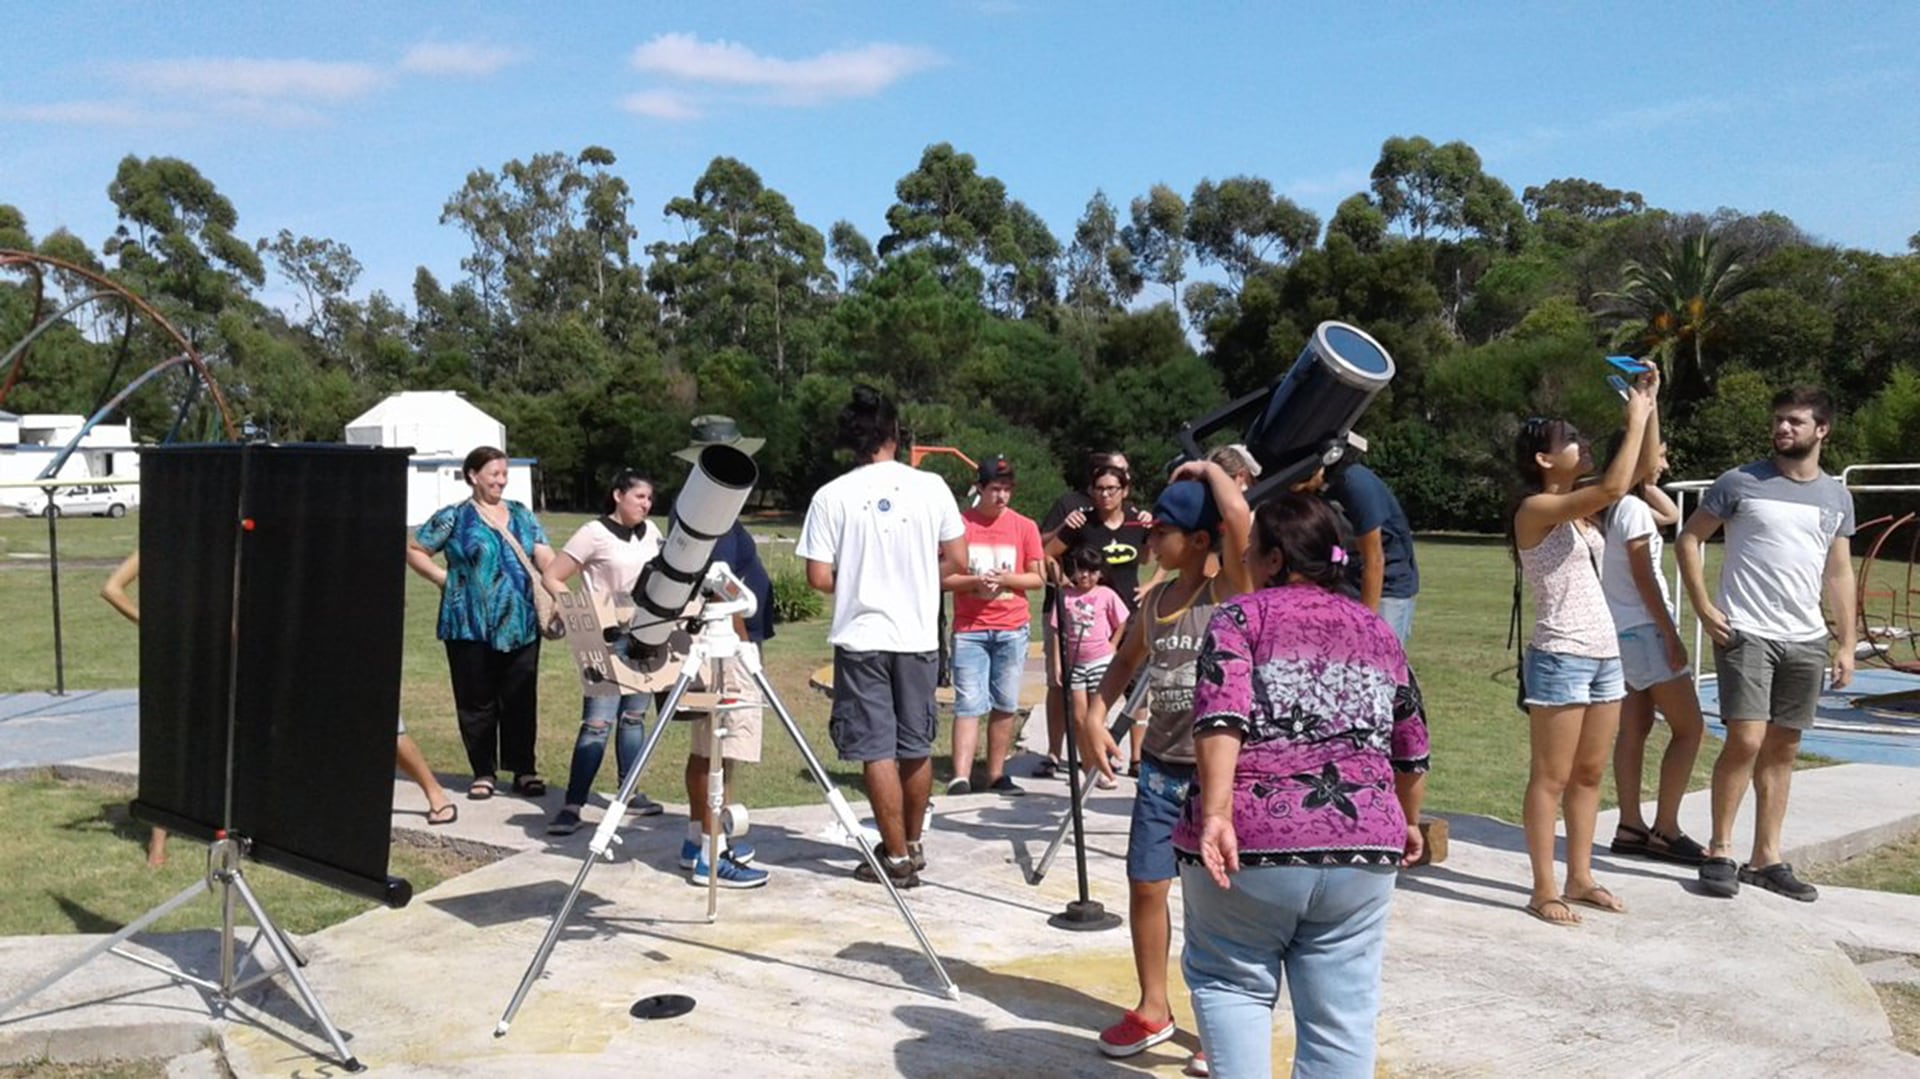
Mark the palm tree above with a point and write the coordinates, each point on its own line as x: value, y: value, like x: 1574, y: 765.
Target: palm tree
x: 1670, y: 304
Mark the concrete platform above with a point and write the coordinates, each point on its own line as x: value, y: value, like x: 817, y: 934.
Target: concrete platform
x: 817, y: 975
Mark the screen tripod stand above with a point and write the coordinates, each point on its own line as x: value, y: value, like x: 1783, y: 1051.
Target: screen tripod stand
x: 714, y: 643
x: 224, y: 875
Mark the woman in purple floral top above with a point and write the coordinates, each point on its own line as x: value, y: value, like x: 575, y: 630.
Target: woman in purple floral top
x: 1312, y: 754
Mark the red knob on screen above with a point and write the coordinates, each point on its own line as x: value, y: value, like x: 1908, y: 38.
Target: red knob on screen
x: 246, y: 524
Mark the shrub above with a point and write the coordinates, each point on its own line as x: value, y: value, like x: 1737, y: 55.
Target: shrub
x: 793, y: 600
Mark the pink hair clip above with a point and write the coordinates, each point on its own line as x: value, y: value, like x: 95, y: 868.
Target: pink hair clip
x: 1339, y: 555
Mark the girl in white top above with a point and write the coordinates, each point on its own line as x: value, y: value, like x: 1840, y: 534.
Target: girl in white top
x: 1572, y: 666
x: 610, y: 551
x: 1653, y: 661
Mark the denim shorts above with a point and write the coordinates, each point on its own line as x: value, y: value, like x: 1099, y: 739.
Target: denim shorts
x: 1643, y: 659
x: 987, y: 665
x: 1157, y: 804
x: 1556, y: 679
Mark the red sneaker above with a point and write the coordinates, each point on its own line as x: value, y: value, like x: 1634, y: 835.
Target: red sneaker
x: 1133, y: 1034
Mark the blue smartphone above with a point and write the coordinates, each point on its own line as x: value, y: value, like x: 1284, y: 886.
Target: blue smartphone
x: 1628, y: 365
x: 1619, y: 385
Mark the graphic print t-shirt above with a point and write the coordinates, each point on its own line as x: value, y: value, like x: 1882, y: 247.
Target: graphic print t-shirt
x: 1778, y: 532
x: 1123, y: 547
x: 880, y: 527
x: 1009, y: 543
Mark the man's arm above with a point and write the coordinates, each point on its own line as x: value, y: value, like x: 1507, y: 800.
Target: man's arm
x: 1691, y: 553
x: 1838, y: 579
x: 1373, y: 568
x: 820, y: 576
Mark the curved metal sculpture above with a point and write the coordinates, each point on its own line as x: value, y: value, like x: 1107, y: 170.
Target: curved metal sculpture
x: 1886, y: 611
x: 13, y: 362
x: 14, y: 359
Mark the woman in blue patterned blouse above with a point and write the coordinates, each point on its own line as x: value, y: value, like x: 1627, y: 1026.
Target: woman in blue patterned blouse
x: 487, y: 620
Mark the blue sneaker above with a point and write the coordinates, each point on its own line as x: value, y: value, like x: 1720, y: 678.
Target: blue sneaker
x: 690, y: 852
x: 732, y: 874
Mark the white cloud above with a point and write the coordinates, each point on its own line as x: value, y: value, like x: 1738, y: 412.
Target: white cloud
x: 456, y: 59
x: 661, y: 105
x: 860, y: 72
x: 91, y: 114
x: 236, y: 77
x: 1344, y: 182
x: 1654, y: 117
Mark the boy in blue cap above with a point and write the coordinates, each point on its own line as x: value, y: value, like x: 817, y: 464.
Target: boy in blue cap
x: 1201, y: 513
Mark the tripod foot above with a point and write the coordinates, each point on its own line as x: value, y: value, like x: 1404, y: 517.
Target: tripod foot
x: 353, y: 1065
x: 500, y: 1028
x: 953, y: 992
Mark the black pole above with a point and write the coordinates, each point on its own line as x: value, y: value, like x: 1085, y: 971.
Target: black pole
x: 1083, y: 914
x: 53, y: 560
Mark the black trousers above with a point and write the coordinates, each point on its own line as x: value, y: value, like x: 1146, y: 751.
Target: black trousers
x: 495, y: 696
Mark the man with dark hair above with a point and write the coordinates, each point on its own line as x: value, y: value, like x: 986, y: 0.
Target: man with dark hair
x: 990, y: 631
x: 1386, y: 572
x: 1787, y: 526
x: 879, y: 540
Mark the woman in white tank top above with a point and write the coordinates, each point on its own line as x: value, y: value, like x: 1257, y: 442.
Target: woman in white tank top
x: 1571, y: 671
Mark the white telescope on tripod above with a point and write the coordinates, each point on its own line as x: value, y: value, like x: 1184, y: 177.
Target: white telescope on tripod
x: 705, y: 510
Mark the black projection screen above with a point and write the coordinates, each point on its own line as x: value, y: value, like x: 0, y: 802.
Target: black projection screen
x: 306, y: 662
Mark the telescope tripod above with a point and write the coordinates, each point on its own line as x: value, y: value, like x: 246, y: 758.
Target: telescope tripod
x: 1084, y: 780
x: 713, y: 645
x: 224, y: 875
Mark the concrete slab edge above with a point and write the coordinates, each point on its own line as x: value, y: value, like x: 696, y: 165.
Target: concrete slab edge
x: 1840, y: 848
x: 100, y: 1042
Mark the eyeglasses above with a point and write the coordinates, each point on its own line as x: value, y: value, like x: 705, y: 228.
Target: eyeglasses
x: 1108, y: 489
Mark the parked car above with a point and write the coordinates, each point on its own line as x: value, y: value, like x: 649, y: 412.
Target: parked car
x: 92, y: 499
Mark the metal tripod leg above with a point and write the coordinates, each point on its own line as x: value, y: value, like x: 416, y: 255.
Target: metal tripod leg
x: 848, y: 821
x: 604, y: 839
x: 277, y: 941
x: 112, y: 944
x: 1084, y: 782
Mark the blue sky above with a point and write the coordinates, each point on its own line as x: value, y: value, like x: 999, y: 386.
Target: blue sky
x: 355, y: 122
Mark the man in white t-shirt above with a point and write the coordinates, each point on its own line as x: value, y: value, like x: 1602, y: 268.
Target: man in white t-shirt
x: 879, y: 540
x: 1788, y: 527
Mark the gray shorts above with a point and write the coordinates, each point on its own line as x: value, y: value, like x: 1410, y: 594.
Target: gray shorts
x: 883, y: 705
x: 1776, y: 681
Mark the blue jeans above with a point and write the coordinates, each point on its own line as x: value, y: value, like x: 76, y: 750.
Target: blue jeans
x: 1325, y: 927
x: 987, y: 665
x: 1398, y: 613
x: 626, y: 715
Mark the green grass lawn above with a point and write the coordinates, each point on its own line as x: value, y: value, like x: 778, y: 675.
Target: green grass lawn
x: 75, y: 863
x: 1894, y: 867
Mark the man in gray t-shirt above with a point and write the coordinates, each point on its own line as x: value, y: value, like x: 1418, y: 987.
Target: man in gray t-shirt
x: 1788, y: 527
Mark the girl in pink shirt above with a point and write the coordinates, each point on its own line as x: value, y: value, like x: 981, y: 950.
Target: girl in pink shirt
x: 1096, y: 617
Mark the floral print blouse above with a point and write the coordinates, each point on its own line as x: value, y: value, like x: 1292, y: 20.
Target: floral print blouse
x: 489, y: 597
x: 1320, y: 692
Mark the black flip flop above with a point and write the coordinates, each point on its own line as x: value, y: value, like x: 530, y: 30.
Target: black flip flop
x: 452, y: 814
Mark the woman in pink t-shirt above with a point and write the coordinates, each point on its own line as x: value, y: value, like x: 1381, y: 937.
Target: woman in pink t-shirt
x: 610, y: 551
x: 1096, y: 617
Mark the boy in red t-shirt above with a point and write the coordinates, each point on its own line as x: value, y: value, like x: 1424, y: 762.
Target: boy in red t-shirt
x: 990, y: 632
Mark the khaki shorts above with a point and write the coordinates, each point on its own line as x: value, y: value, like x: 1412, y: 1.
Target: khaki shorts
x: 742, y: 741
